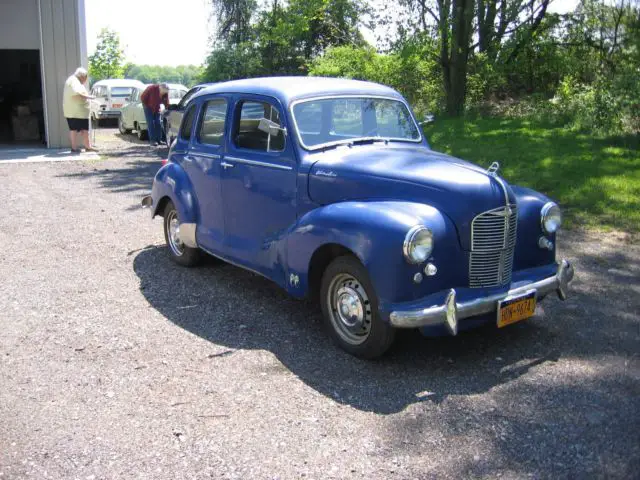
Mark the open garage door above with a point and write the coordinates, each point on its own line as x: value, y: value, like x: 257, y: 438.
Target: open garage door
x: 21, y: 106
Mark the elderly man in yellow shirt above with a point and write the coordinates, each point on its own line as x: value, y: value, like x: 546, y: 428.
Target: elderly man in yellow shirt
x: 75, y: 106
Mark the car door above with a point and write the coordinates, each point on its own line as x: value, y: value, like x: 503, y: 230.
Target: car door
x: 207, y: 148
x: 127, y: 110
x: 137, y: 110
x: 202, y: 132
x: 258, y: 183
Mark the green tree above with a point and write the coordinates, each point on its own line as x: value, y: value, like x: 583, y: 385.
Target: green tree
x: 452, y: 23
x: 108, y: 59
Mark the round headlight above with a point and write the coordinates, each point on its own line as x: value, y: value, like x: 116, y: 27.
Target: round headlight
x: 550, y: 217
x: 418, y: 244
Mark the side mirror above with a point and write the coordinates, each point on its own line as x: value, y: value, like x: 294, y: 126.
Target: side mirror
x: 270, y: 127
x: 429, y: 118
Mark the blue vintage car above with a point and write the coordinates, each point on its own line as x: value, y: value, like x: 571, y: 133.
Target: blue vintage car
x: 329, y: 188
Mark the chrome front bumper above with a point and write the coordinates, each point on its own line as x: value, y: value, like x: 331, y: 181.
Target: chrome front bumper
x: 451, y: 311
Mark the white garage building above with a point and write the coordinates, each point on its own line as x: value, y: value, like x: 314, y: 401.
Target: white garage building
x: 41, y: 43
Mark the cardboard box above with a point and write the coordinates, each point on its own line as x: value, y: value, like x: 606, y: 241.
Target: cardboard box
x: 23, y: 110
x: 25, y: 128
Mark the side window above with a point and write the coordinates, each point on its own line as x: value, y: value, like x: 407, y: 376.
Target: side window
x: 249, y: 135
x: 212, y: 125
x: 187, y: 123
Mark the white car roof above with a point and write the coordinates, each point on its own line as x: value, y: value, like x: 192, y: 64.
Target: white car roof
x: 177, y: 86
x: 119, y: 82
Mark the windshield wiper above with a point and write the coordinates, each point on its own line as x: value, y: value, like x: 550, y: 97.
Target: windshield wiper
x: 366, y: 140
x: 350, y: 143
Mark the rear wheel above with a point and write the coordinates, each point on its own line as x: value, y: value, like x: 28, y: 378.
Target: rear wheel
x: 350, y: 309
x: 142, y: 134
x: 179, y: 252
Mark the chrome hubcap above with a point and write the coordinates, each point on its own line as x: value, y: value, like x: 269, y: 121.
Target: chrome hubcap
x: 173, y: 234
x: 350, y: 309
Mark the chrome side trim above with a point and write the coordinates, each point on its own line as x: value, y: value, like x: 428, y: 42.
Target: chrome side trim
x: 328, y: 97
x: 257, y: 163
x: 504, y: 189
x: 451, y: 311
x: 188, y: 234
x: 206, y: 155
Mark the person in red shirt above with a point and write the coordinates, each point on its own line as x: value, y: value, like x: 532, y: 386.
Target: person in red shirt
x: 152, y: 97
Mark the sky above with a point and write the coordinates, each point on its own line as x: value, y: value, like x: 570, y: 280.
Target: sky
x: 175, y: 32
x: 153, y: 32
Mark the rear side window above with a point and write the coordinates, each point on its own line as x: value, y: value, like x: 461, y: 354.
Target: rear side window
x: 187, y: 123
x: 249, y: 135
x: 212, y: 124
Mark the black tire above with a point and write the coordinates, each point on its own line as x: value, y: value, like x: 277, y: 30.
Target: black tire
x: 346, y: 279
x: 142, y: 134
x: 121, y: 128
x: 179, y: 253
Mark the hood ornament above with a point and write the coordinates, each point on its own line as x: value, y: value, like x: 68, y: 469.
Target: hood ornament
x: 493, y: 169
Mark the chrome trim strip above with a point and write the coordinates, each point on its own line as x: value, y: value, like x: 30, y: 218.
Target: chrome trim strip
x: 504, y: 189
x: 206, y: 155
x: 447, y: 315
x: 339, y: 142
x: 257, y: 163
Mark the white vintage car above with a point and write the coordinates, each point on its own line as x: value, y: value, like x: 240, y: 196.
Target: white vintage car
x: 112, y: 95
x: 132, y: 117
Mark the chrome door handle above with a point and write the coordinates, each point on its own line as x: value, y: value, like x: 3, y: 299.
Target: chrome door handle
x: 226, y: 165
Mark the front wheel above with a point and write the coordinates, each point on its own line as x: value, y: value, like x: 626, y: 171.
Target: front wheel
x: 142, y: 134
x: 121, y: 126
x: 350, y: 309
x: 179, y: 252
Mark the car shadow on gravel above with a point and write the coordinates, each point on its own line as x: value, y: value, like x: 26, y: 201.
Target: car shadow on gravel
x: 132, y: 176
x: 236, y: 309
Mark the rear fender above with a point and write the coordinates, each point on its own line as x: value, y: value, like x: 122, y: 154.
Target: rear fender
x: 173, y: 182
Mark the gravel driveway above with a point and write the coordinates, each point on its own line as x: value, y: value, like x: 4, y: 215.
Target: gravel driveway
x: 115, y: 363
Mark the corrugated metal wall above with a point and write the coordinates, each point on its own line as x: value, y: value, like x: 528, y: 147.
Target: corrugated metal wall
x: 63, y: 49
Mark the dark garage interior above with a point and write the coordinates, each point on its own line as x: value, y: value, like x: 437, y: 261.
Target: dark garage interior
x: 21, y: 111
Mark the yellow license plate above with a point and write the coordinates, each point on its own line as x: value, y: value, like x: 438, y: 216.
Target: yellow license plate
x: 512, y: 310
x: 116, y: 105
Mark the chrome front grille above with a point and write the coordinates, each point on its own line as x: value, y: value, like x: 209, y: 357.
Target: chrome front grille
x: 493, y: 241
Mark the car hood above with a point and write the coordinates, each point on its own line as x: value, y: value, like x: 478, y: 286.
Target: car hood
x: 459, y: 189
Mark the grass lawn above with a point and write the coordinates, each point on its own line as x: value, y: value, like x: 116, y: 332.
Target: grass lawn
x: 596, y: 180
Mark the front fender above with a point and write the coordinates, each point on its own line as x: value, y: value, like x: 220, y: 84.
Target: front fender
x: 173, y: 182
x: 528, y: 254
x: 375, y: 231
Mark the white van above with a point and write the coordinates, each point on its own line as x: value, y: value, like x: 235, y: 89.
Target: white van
x: 111, y: 95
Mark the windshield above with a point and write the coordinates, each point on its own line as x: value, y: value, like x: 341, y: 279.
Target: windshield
x: 120, y: 91
x: 337, y: 120
x: 176, y: 94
